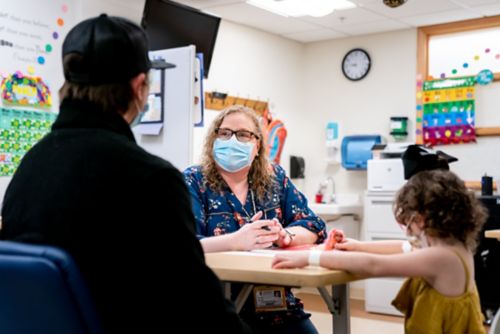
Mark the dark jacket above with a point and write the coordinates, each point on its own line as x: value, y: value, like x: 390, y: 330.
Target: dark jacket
x: 125, y: 216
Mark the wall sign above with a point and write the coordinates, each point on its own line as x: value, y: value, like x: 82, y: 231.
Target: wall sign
x: 448, y: 111
x: 30, y: 72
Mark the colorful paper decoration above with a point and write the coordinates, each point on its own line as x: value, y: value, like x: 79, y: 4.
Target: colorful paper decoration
x: 449, y: 111
x: 24, y: 90
x: 274, y: 132
x: 484, y: 77
x: 276, y: 135
x: 419, y: 137
x: 19, y: 131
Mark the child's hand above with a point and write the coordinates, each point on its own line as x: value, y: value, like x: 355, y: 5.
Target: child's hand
x: 335, y: 236
x: 290, y: 260
x: 348, y: 245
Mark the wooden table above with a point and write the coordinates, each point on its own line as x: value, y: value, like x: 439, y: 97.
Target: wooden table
x: 495, y: 234
x: 255, y: 268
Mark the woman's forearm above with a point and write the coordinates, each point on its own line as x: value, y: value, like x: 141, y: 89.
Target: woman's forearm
x: 219, y: 243
x: 301, y: 236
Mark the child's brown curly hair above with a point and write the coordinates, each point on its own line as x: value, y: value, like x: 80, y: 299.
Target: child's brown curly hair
x: 449, y: 209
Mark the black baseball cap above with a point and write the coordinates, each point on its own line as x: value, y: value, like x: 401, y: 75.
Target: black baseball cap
x: 111, y: 49
x: 418, y: 158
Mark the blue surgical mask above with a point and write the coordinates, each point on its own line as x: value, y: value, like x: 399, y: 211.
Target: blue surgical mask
x: 232, y: 155
x: 140, y: 114
x: 136, y: 120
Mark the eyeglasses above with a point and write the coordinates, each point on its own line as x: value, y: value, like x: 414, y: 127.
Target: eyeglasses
x: 243, y: 136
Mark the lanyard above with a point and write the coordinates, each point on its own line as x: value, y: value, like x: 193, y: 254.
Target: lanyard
x: 254, y: 207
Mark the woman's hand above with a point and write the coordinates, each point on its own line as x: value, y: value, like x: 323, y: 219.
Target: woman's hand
x: 293, y: 259
x: 285, y: 236
x: 256, y: 235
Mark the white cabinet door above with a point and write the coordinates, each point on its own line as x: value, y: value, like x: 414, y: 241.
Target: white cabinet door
x: 380, y: 292
x: 378, y: 216
x: 380, y: 224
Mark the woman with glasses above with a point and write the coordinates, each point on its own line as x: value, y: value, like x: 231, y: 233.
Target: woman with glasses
x: 242, y: 202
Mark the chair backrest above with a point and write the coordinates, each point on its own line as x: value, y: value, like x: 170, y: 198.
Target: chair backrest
x: 42, y: 291
x: 495, y: 325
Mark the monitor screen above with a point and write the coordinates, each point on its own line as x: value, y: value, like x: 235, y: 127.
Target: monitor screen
x: 170, y: 25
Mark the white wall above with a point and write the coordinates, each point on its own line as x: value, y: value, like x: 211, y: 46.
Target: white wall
x: 306, y: 88
x: 131, y: 9
x: 362, y: 107
x: 258, y: 65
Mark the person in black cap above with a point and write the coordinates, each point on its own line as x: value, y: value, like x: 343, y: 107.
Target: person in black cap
x: 418, y: 158
x: 122, y: 213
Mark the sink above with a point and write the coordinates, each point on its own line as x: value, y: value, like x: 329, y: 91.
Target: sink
x: 345, y: 204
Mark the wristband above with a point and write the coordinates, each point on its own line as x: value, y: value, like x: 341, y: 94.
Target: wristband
x: 406, y: 247
x: 314, y: 256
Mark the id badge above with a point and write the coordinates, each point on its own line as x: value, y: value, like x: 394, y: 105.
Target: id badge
x: 269, y: 298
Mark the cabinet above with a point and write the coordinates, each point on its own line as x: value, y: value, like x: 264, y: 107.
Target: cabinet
x: 380, y: 224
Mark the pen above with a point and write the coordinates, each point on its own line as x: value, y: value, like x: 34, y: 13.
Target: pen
x: 290, y: 234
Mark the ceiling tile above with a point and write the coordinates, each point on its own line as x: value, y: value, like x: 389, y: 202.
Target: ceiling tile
x: 369, y: 17
x: 364, y: 2
x: 261, y: 19
x: 208, y: 3
x: 413, y: 8
x: 489, y: 10
x: 343, y: 17
x: 371, y: 27
x: 437, y: 18
x: 315, y: 35
x: 474, y: 3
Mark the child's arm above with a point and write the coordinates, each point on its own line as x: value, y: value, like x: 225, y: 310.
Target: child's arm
x: 375, y: 247
x: 421, y: 263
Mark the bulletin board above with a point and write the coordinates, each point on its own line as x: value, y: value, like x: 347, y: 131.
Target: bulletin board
x: 31, y: 36
x: 448, y: 111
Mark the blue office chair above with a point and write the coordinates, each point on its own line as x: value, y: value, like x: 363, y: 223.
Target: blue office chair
x: 41, y: 291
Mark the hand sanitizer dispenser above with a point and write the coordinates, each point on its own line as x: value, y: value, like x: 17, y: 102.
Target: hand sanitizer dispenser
x: 332, y: 142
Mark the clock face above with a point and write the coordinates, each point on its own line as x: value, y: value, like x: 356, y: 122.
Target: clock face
x: 356, y: 64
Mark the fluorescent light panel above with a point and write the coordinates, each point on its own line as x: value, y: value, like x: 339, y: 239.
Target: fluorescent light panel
x: 296, y: 8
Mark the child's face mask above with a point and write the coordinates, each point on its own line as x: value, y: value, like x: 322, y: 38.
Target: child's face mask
x: 417, y: 241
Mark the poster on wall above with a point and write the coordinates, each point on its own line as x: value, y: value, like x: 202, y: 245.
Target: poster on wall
x: 448, y: 111
x: 31, y: 36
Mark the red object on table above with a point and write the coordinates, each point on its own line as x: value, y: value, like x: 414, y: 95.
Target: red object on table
x: 333, y: 237
x: 319, y: 198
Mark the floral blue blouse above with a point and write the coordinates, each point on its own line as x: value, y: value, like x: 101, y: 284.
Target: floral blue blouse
x: 219, y: 213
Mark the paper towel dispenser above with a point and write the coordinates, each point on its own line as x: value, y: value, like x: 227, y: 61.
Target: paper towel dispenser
x: 297, y: 167
x: 357, y: 150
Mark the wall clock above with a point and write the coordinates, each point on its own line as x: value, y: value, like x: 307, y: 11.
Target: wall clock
x: 356, y: 64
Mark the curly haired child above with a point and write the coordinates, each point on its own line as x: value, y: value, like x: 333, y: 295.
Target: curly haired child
x: 444, y: 218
